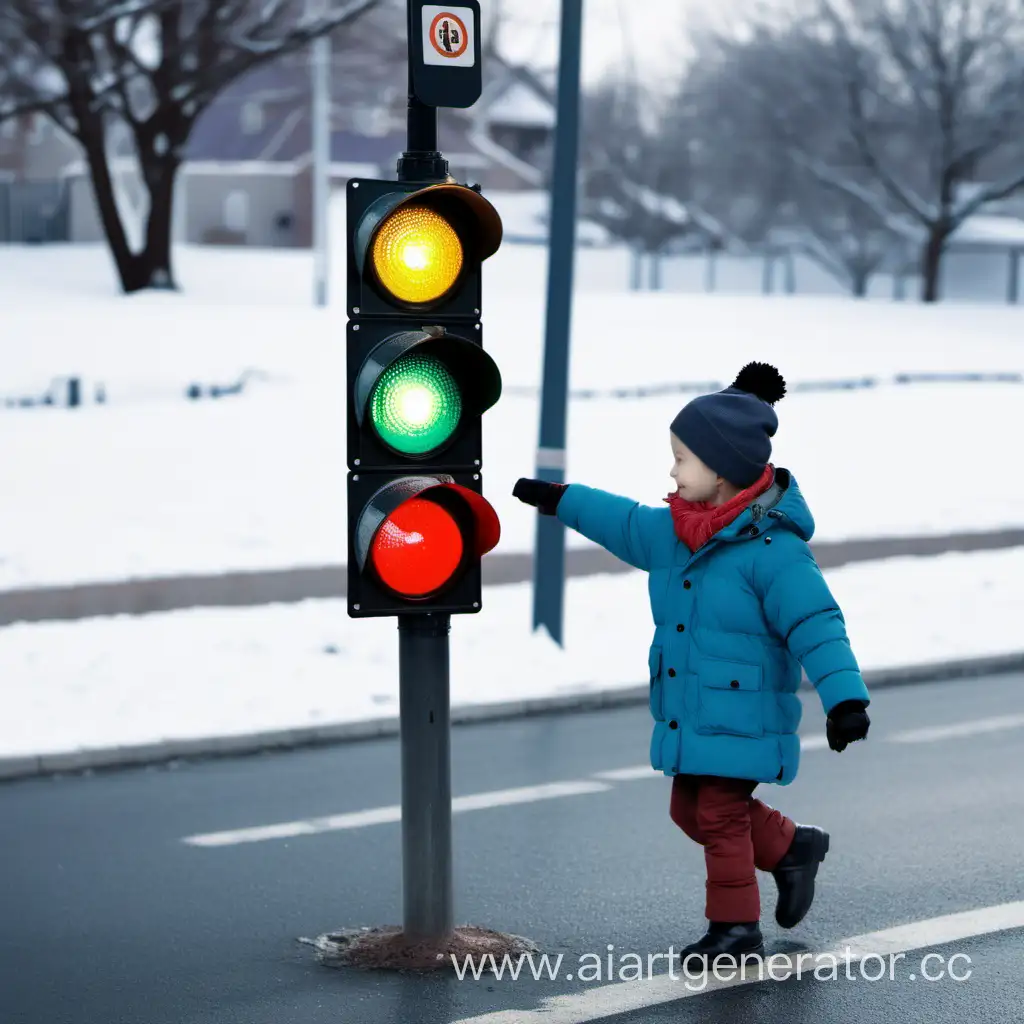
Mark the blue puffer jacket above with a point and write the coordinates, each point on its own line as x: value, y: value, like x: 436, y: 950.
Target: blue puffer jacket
x: 733, y: 624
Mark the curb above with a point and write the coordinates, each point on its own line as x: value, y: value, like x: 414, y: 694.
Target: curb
x: 12, y: 768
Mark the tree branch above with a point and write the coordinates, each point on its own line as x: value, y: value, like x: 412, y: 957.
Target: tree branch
x: 991, y: 194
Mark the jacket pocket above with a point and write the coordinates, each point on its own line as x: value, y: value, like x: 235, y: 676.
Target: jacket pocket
x: 730, y: 698
x: 657, y: 695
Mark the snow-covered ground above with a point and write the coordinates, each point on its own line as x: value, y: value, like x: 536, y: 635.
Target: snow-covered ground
x: 187, y: 675
x: 150, y: 484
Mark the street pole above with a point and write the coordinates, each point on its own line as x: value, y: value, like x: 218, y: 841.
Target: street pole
x: 549, y: 554
x: 423, y: 670
x: 424, y: 707
x: 321, y: 169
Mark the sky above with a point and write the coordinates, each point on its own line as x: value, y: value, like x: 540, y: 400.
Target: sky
x: 617, y: 33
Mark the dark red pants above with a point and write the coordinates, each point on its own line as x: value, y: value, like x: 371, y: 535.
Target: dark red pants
x: 738, y: 832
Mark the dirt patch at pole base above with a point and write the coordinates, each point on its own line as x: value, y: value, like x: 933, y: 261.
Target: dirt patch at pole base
x: 388, y: 948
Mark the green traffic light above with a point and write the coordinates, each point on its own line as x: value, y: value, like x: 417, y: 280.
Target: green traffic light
x: 416, y: 405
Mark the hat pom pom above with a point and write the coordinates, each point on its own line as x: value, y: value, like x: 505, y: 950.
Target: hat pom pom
x: 762, y: 380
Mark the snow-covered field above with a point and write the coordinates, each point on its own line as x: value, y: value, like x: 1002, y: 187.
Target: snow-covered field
x: 188, y: 675
x: 150, y: 484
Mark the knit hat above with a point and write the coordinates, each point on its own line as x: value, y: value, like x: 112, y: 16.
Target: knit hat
x: 730, y: 430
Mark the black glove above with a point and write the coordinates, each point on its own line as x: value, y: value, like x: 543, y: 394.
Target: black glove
x: 847, y: 722
x: 544, y: 496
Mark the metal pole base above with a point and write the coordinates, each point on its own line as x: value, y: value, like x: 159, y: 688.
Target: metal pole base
x: 426, y: 776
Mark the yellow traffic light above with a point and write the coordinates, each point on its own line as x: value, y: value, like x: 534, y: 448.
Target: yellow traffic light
x: 418, y: 251
x: 417, y: 254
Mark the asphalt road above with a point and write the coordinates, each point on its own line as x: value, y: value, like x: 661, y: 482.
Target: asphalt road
x: 108, y: 917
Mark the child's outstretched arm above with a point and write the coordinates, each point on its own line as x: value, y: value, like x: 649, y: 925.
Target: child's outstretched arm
x: 620, y: 525
x: 800, y: 607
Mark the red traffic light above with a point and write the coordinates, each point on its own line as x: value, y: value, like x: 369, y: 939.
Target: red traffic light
x: 418, y: 548
x: 418, y: 535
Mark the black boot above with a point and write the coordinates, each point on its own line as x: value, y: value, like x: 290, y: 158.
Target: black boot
x: 723, y: 942
x: 794, y: 874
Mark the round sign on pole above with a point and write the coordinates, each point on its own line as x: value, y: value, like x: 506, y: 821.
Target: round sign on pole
x: 448, y: 35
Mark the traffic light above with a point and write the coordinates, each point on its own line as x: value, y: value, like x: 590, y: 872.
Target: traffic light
x: 419, y: 382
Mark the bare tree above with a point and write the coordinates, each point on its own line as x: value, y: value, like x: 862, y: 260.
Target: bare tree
x: 154, y: 66
x: 896, y: 104
x: 843, y: 235
x: 637, y: 174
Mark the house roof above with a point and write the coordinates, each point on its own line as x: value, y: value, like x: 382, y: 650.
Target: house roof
x: 284, y: 133
x: 284, y: 136
x: 990, y: 231
x: 522, y: 107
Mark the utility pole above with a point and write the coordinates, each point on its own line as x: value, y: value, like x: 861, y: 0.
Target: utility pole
x: 321, y: 164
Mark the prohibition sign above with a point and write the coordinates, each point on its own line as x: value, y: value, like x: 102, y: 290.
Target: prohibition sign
x: 448, y: 35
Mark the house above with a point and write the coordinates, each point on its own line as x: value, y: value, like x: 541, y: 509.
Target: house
x: 249, y: 163
x: 247, y: 175
x: 34, y: 204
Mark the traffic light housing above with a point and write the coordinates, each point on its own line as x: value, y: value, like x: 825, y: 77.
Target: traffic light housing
x: 417, y: 248
x: 419, y: 382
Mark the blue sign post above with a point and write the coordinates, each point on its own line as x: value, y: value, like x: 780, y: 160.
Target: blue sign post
x: 549, y: 552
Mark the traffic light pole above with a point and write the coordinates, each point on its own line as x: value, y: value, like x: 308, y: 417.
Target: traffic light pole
x: 426, y: 775
x: 549, y: 552
x: 423, y: 673
x: 421, y: 161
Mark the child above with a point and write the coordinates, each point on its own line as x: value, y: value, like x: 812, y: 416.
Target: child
x: 739, y: 603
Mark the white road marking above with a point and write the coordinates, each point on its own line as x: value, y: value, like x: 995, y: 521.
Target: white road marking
x: 627, y: 996
x: 943, y: 732
x: 382, y: 815
x: 288, y: 829
x: 598, y: 782
x: 813, y: 742
x: 639, y: 771
x: 527, y: 794
x: 645, y: 771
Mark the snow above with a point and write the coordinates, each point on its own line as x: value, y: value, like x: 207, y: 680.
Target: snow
x: 521, y: 107
x: 185, y: 675
x: 659, y: 205
x: 151, y: 484
x: 525, y: 216
x: 990, y: 230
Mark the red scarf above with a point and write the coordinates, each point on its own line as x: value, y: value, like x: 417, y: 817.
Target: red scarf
x: 696, y: 522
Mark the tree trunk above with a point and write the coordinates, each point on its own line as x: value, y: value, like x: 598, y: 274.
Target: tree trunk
x: 154, y: 262
x: 110, y: 217
x: 150, y: 268
x: 931, y: 262
x: 859, y: 280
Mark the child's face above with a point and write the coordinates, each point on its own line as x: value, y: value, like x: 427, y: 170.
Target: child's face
x: 694, y: 481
